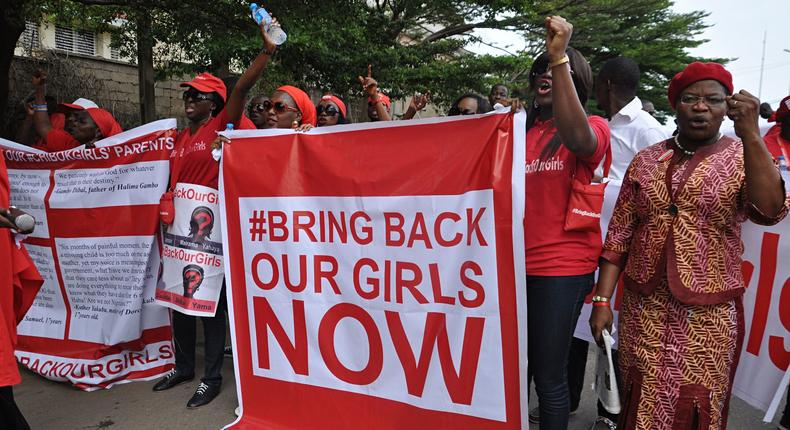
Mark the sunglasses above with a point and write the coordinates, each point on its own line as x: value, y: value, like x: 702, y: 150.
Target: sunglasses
x: 261, y: 107
x: 328, y: 110
x: 279, y: 107
x: 541, y: 70
x: 197, y: 96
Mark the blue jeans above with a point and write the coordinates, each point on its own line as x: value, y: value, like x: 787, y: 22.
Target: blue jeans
x: 553, y: 306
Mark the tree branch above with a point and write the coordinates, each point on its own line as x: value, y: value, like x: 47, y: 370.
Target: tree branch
x: 460, y: 29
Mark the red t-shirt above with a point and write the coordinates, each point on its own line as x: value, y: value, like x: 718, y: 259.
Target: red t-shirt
x: 774, y: 142
x: 192, y: 161
x: 58, y: 140
x: 550, y: 250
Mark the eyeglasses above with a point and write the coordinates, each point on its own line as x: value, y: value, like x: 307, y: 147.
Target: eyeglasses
x: 279, y: 107
x: 197, y: 95
x: 710, y: 101
x: 328, y: 110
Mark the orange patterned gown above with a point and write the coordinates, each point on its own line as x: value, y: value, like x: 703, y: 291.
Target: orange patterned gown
x: 681, y: 319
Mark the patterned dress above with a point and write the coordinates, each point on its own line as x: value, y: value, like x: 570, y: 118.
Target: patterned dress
x: 677, y: 239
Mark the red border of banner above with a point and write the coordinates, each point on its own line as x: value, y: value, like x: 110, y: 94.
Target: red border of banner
x: 489, y: 159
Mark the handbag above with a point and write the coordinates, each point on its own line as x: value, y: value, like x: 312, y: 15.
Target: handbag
x: 586, y: 201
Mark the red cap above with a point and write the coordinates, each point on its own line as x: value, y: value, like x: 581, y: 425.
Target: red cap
x: 336, y: 100
x: 105, y: 121
x: 79, y: 104
x: 783, y: 111
x: 695, y: 72
x: 303, y: 102
x: 208, y: 83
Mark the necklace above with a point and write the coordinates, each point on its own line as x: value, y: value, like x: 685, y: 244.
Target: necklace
x: 686, y: 151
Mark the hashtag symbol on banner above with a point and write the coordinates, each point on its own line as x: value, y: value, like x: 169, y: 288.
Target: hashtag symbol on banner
x: 257, y: 229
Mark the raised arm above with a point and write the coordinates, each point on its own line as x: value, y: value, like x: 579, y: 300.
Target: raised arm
x: 763, y: 181
x: 371, y: 88
x: 235, y: 107
x: 569, y: 114
x: 41, y: 115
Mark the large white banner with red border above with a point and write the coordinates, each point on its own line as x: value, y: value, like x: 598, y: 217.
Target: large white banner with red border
x: 376, y: 275
x: 766, y: 348
x: 94, y: 322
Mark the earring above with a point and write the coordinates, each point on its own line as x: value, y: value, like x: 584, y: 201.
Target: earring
x: 295, y: 124
x: 535, y: 104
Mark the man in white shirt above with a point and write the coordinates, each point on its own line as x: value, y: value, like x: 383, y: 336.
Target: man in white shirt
x: 632, y: 128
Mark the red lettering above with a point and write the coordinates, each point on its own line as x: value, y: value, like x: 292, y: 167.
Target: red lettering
x: 437, y: 229
x: 436, y: 286
x: 305, y: 227
x: 393, y: 223
x: 337, y: 227
x: 473, y: 226
x: 372, y: 282
x: 765, y: 285
x: 320, y: 274
x: 402, y: 283
x: 776, y: 344
x: 275, y: 271
x: 296, y: 288
x: 480, y: 292
x: 278, y: 225
x: 326, y: 343
x: 165, y: 352
x: 422, y: 234
x: 97, y: 368
x: 265, y: 319
x: 460, y: 384
x: 366, y: 229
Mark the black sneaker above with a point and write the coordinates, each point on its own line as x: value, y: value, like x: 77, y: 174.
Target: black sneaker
x: 603, y: 423
x: 203, y: 395
x: 228, y: 351
x: 534, y: 415
x: 172, y: 379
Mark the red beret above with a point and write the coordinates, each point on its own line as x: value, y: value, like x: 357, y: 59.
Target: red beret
x: 783, y: 111
x: 208, y: 83
x: 695, y: 72
x: 336, y: 100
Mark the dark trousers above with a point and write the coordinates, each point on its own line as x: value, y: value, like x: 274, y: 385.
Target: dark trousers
x: 577, y: 362
x: 553, y: 306
x: 184, y: 327
x: 10, y: 416
x: 786, y: 414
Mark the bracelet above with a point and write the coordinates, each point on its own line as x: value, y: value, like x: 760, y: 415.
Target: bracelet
x: 40, y: 108
x: 601, y: 304
x: 596, y: 299
x: 562, y: 60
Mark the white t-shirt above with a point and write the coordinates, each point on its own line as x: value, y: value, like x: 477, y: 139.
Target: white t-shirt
x: 632, y: 130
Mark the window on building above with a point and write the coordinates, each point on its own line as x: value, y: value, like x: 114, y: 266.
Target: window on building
x: 29, y: 39
x: 80, y: 42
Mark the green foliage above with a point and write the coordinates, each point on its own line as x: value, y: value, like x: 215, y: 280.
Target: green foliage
x: 413, y: 45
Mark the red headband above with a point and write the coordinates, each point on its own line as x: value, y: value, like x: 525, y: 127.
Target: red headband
x: 336, y: 100
x: 695, y: 72
x: 303, y: 102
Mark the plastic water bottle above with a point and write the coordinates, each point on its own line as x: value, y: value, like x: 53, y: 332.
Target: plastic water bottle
x: 217, y: 152
x: 782, y: 162
x: 259, y: 14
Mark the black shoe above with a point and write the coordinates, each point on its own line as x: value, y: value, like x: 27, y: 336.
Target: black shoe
x: 172, y: 379
x: 228, y: 351
x: 203, y: 395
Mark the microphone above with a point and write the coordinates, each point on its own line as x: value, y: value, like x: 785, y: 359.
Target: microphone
x: 23, y: 221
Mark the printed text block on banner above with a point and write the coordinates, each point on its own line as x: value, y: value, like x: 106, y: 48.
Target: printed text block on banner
x: 374, y: 276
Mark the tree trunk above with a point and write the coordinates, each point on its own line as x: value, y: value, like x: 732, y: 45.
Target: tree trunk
x: 12, y: 24
x: 145, y: 67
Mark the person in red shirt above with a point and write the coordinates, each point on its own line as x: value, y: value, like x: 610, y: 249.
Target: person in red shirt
x: 208, y: 110
x: 83, y: 126
x: 562, y: 142
x: 19, y: 284
x: 777, y: 139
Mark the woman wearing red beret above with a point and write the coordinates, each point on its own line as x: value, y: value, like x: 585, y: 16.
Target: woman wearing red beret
x: 209, y: 110
x: 675, y: 236
x: 331, y: 111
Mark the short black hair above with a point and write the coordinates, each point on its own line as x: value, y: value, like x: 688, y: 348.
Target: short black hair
x: 622, y: 72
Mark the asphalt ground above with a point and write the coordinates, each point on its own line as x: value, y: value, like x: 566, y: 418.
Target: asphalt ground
x: 134, y: 406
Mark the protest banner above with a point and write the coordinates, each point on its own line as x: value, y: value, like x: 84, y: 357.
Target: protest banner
x: 377, y: 274
x: 766, y: 348
x: 192, y: 250
x: 94, y: 322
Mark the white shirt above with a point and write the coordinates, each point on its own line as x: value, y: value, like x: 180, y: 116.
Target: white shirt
x: 632, y: 131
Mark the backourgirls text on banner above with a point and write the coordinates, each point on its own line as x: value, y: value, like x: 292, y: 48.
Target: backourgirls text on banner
x: 192, y: 252
x: 94, y: 322
x: 766, y: 348
x: 377, y: 275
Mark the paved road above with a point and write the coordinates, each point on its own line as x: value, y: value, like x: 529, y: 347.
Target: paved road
x: 49, y: 406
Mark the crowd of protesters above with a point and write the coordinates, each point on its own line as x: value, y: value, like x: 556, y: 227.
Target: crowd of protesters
x: 674, y: 236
